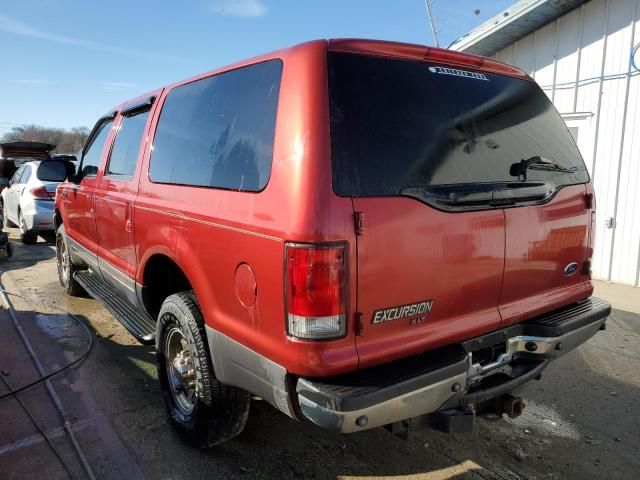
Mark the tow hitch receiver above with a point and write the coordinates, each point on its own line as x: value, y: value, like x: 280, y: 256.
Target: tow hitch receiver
x: 458, y: 420
x: 462, y: 420
x: 512, y: 406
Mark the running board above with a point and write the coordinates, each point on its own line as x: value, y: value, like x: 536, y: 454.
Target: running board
x: 138, y: 324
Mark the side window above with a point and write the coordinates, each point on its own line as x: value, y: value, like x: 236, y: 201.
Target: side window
x: 218, y: 131
x: 124, y: 154
x: 91, y: 158
x: 26, y: 175
x: 17, y: 175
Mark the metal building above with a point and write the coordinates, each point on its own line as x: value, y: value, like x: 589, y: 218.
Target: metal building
x: 585, y: 55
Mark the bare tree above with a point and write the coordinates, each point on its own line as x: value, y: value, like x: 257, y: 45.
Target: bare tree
x: 66, y: 140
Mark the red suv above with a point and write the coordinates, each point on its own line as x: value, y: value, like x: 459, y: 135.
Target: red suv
x: 359, y: 232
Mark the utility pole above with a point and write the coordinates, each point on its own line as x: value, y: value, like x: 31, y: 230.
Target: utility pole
x: 432, y: 20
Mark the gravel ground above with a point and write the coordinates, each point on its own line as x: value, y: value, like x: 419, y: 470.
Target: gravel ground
x: 582, y: 420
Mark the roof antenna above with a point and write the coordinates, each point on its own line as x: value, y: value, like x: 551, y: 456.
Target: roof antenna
x: 432, y: 20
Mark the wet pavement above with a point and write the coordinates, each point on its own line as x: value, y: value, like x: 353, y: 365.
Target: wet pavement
x: 582, y: 420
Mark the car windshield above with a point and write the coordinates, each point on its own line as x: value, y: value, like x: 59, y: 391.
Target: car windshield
x: 398, y: 125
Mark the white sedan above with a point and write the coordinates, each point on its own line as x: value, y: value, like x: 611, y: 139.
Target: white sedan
x: 28, y: 199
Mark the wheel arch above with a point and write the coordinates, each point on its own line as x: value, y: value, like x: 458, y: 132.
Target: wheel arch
x: 57, y: 219
x: 159, y: 276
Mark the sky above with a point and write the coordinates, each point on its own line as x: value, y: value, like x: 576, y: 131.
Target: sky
x: 64, y: 63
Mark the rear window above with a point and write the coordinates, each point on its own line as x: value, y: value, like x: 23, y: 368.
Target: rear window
x: 218, y: 132
x: 449, y: 136
x: 52, y: 171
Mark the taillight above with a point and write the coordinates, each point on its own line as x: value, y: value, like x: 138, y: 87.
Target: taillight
x: 316, y: 290
x: 42, y: 193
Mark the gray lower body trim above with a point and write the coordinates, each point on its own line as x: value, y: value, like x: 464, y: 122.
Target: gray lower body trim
x: 439, y: 394
x: 239, y: 366
x: 124, y: 285
x: 81, y: 255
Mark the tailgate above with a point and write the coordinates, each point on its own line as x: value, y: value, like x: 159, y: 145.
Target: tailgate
x: 425, y: 278
x: 471, y: 196
x: 546, y: 251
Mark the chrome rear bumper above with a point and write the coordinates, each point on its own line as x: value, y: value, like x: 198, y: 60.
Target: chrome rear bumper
x: 371, y: 398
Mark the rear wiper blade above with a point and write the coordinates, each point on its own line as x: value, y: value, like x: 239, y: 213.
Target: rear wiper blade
x: 479, y: 195
x: 537, y: 163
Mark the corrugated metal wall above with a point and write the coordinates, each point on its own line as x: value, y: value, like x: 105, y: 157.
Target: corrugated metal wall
x: 574, y: 58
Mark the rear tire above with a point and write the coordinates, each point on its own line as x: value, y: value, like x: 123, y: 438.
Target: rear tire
x: 201, y: 409
x: 28, y: 237
x: 66, y: 267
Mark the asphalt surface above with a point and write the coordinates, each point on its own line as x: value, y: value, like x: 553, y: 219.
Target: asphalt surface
x: 581, y: 421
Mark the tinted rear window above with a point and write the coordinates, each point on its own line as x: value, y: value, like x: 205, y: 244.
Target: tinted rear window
x: 398, y: 124
x: 52, y: 171
x: 218, y: 132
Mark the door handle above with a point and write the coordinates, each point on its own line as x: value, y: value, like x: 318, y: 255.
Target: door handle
x: 127, y: 218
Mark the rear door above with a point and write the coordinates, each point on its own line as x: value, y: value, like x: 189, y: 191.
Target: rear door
x: 114, y: 199
x: 431, y: 156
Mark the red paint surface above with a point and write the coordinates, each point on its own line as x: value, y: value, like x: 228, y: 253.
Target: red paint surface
x: 409, y: 252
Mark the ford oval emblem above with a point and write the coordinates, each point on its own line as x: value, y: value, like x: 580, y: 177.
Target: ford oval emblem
x: 571, y: 269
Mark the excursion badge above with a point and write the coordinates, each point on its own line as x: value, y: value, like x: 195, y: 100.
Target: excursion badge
x: 415, y: 311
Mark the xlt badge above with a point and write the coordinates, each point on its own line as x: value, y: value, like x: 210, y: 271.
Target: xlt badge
x: 403, y: 311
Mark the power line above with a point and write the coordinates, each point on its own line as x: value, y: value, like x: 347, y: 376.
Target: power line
x: 432, y: 20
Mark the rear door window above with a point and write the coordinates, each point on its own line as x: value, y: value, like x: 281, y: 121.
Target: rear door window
x: 26, y: 174
x: 126, y: 146
x: 17, y: 175
x: 218, y: 131
x: 454, y: 138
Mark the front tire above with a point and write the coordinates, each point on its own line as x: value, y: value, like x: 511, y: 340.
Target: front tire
x: 28, y: 237
x: 201, y: 409
x: 66, y: 267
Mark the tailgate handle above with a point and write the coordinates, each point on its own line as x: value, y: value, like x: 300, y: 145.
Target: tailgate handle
x: 358, y: 220
x: 588, y: 200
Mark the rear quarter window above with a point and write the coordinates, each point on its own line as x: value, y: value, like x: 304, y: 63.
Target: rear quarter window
x: 218, y: 132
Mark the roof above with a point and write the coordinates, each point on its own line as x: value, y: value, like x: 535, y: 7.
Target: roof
x: 509, y: 26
